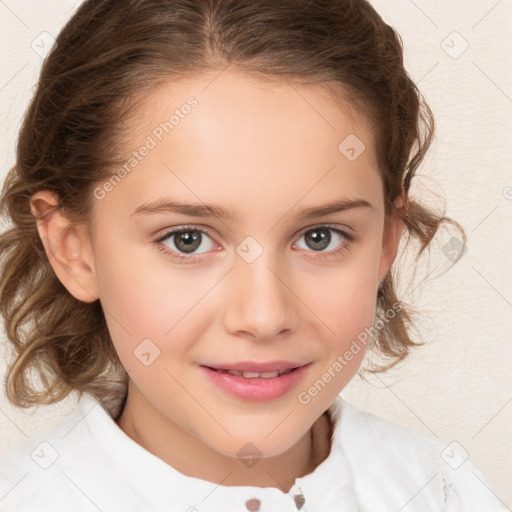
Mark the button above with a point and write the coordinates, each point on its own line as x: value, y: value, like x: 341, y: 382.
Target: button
x: 253, y: 505
x: 299, y: 500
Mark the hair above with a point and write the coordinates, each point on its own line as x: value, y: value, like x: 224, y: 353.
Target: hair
x: 108, y: 56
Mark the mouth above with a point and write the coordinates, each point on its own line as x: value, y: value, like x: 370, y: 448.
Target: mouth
x: 254, y: 375
x: 253, y: 369
x: 256, y: 381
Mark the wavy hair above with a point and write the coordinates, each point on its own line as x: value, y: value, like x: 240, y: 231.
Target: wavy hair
x: 112, y: 52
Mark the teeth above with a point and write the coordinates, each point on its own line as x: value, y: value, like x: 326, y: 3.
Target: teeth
x: 254, y: 375
x: 269, y: 375
x: 250, y: 375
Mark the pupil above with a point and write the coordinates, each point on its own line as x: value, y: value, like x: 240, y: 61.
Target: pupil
x: 188, y: 241
x: 318, y: 239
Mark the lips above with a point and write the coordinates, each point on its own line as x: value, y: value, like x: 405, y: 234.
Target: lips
x: 256, y: 381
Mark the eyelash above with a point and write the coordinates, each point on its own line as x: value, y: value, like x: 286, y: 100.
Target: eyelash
x: 349, y: 240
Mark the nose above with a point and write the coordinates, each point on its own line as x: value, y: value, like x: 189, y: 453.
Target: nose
x: 259, y: 301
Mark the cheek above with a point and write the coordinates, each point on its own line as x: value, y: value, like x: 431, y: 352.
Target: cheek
x: 144, y: 301
x: 345, y: 308
x: 353, y: 308
x: 345, y: 297
x: 349, y: 315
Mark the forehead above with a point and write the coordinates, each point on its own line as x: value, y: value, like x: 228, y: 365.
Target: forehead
x: 262, y: 142
x: 232, y: 97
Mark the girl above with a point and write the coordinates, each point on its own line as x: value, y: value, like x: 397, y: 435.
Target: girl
x: 205, y: 209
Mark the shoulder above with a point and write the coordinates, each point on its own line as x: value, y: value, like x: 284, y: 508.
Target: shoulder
x: 391, y: 464
x: 52, y: 470
x: 28, y: 471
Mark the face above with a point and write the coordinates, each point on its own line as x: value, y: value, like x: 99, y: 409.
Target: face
x: 261, y: 282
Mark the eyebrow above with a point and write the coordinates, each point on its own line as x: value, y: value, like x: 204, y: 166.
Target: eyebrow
x: 166, y: 205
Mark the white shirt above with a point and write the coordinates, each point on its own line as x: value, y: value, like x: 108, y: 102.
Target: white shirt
x: 89, y: 464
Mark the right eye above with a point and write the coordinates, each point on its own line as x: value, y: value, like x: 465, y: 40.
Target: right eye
x: 184, y: 241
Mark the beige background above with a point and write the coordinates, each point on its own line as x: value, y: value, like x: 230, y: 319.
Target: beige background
x: 457, y: 388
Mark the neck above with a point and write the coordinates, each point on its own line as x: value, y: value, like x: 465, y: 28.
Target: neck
x: 188, y: 454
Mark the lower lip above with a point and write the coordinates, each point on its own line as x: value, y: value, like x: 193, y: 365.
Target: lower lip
x: 257, y: 389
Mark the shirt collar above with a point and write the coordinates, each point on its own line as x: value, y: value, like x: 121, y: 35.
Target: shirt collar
x: 326, y: 487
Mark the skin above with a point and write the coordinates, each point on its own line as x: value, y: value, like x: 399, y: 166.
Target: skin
x: 266, y: 150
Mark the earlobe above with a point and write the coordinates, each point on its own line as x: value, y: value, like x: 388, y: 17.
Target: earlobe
x: 66, y: 246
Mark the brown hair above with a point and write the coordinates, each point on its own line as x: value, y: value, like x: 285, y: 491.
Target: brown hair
x: 106, y: 57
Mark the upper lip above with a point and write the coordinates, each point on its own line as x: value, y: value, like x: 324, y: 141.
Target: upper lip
x: 258, y: 367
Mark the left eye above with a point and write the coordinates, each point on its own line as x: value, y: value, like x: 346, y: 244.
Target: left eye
x: 319, y: 238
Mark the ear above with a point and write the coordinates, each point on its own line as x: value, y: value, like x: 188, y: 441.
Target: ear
x: 393, y: 230
x: 66, y: 245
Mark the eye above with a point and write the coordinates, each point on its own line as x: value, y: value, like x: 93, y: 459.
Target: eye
x: 183, y: 243
x: 319, y: 238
